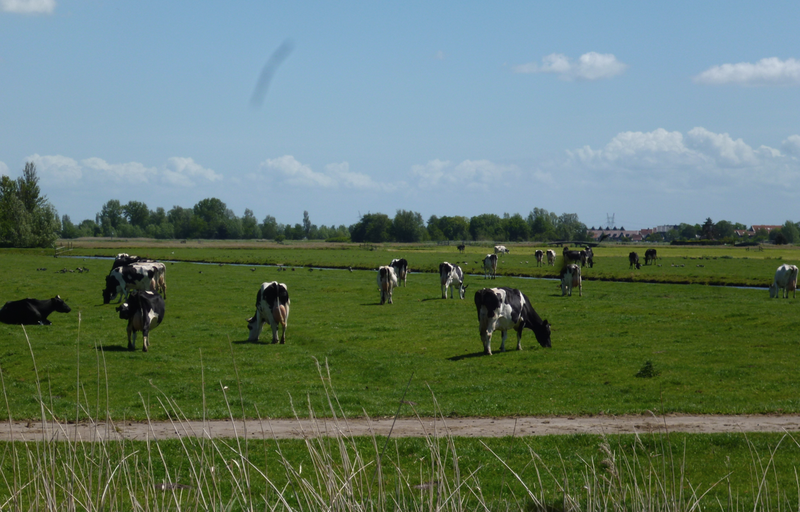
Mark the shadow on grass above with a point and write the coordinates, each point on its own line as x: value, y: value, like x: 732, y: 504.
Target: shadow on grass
x: 252, y: 342
x: 467, y: 356
x: 113, y: 348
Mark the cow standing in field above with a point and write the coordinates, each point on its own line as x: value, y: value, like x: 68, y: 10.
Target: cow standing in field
x: 272, y: 305
x: 138, y: 276
x: 589, y: 256
x: 570, y: 278
x: 461, y: 247
x: 490, y: 266
x: 32, y: 311
x: 508, y: 308
x: 571, y: 256
x: 551, y: 257
x: 451, y: 275
x: 144, y: 311
x: 124, y: 259
x: 501, y: 249
x: 633, y: 259
x: 387, y: 280
x: 400, y: 269
x: 786, y: 281
x: 650, y: 256
x: 539, y: 256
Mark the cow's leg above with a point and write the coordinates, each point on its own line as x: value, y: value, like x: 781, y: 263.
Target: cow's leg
x: 131, y: 341
x: 390, y: 294
x: 444, y: 291
x: 503, y: 343
x: 519, y: 338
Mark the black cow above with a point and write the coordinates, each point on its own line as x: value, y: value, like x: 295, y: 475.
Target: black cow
x: 461, y: 247
x: 272, y: 305
x: 144, y: 310
x: 571, y: 256
x: 32, y: 311
x: 633, y: 258
x: 137, y: 276
x: 451, y: 275
x: 123, y: 260
x: 401, y: 269
x: 650, y: 256
x: 508, y: 308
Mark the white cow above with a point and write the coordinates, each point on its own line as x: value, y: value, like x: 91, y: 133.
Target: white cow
x: 387, y: 280
x: 451, y: 275
x: 551, y: 257
x: 501, y: 249
x: 272, y: 305
x: 786, y: 280
x: 490, y: 266
x: 570, y: 278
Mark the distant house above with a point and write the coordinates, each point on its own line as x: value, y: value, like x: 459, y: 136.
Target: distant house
x: 616, y: 234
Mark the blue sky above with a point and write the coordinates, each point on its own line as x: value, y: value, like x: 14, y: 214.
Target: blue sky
x: 658, y: 114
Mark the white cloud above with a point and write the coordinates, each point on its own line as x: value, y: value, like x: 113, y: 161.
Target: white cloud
x: 28, y: 6
x: 3, y: 169
x: 62, y: 171
x: 590, y: 66
x: 771, y: 71
x: 469, y: 173
x: 700, y: 160
x: 291, y: 172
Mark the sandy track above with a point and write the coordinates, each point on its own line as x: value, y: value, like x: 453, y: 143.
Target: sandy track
x: 403, y: 427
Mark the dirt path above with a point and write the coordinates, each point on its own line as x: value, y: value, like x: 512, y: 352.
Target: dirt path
x: 403, y: 427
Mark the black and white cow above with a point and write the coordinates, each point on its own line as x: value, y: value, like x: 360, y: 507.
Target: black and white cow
x: 400, y: 269
x: 124, y: 259
x: 633, y: 259
x: 785, y: 281
x: 650, y: 256
x: 571, y: 256
x: 490, y: 266
x: 589, y: 256
x: 501, y: 249
x: 144, y: 311
x: 451, y: 275
x: 570, y: 278
x: 137, y: 276
x: 508, y: 308
x: 32, y: 311
x: 551, y: 257
x: 539, y: 257
x: 387, y: 280
x: 272, y: 305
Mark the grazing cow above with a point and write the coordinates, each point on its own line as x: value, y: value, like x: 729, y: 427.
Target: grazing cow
x: 461, y: 247
x: 571, y: 256
x: 32, y: 311
x: 500, y: 249
x: 633, y: 259
x: 571, y: 277
x: 539, y: 256
x: 400, y: 269
x: 387, y: 280
x: 272, y: 305
x: 551, y: 257
x: 508, y: 308
x: 490, y: 266
x: 451, y: 275
x: 144, y: 311
x: 123, y: 259
x: 589, y: 256
x: 786, y: 280
x: 138, y: 276
x: 650, y: 256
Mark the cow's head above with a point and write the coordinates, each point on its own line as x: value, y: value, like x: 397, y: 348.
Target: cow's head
x: 773, y: 291
x: 462, y: 290
x: 542, y: 333
x: 253, y: 329
x: 124, y: 311
x: 110, y: 292
x: 60, y: 305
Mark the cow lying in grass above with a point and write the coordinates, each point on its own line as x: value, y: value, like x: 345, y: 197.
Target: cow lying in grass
x: 32, y: 311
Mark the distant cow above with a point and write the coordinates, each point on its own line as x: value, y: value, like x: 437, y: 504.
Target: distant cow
x: 490, y: 266
x: 138, y: 276
x: 32, y: 311
x: 272, y: 305
x: 451, y: 275
x: 144, y: 311
x: 461, y: 247
x: 508, y: 308
x: 539, y: 256
x: 501, y: 249
x: 650, y: 256
x: 570, y: 278
x: 633, y: 259
x: 123, y: 259
x: 786, y: 280
x: 400, y: 269
x: 589, y: 256
x: 387, y: 280
x: 551, y: 257
x: 571, y: 256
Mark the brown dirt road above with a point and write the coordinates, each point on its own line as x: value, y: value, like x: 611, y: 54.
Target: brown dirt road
x: 403, y: 427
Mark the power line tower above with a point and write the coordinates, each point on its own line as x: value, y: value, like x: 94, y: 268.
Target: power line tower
x: 610, y: 220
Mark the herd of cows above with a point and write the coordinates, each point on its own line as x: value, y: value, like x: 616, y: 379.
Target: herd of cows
x: 142, y: 285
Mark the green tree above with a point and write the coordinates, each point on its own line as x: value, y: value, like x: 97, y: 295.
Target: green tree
x: 306, y: 224
x: 723, y: 229
x: 708, y: 229
x: 136, y: 214
x: 487, y: 226
x: 27, y: 219
x: 542, y: 224
x: 250, y: 227
x: 516, y: 228
x: 372, y: 227
x: 209, y: 216
x: 408, y: 226
x: 269, y: 228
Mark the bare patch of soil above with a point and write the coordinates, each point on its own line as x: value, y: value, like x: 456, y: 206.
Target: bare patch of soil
x: 402, y: 427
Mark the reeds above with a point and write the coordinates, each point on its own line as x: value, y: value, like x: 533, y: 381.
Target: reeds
x: 338, y: 471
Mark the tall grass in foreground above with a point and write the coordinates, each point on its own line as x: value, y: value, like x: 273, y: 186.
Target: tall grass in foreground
x: 345, y: 473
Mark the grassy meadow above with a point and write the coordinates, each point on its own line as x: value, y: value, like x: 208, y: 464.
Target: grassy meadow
x: 714, y: 349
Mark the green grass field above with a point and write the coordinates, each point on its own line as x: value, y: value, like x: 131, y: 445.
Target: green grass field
x: 718, y: 349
